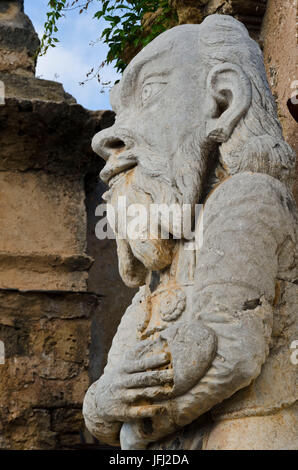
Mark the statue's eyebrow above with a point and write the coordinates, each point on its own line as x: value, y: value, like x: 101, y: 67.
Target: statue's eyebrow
x: 130, y: 77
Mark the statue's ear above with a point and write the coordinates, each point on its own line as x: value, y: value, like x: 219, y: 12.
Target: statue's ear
x: 228, y: 99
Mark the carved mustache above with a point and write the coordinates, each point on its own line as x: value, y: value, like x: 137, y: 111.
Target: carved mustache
x: 116, y: 165
x: 119, y: 162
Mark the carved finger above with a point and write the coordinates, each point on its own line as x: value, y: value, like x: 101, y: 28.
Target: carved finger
x: 147, y: 363
x: 145, y: 411
x: 148, y: 379
x: 132, y: 396
x: 143, y: 347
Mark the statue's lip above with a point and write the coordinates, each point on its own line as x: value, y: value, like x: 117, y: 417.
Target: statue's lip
x: 112, y: 175
x: 113, y: 181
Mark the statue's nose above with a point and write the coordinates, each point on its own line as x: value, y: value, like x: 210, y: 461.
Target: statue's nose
x: 112, y: 147
x: 105, y: 143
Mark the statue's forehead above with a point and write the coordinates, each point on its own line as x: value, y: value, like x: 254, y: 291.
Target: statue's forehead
x: 178, y: 43
x: 160, y: 56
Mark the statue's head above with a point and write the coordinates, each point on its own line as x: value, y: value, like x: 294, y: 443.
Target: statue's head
x: 192, y: 108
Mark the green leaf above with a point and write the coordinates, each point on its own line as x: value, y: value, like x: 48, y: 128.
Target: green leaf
x: 124, y: 19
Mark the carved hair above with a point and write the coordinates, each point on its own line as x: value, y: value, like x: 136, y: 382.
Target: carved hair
x: 257, y: 143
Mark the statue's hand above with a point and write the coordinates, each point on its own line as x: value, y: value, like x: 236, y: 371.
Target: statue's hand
x: 126, y: 392
x: 122, y: 392
x: 192, y: 346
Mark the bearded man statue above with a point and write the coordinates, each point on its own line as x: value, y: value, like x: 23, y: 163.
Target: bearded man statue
x: 202, y: 358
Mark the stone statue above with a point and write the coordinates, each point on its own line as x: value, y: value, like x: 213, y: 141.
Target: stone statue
x: 202, y: 358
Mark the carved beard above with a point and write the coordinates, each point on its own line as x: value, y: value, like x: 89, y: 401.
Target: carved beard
x: 159, y: 180
x: 137, y: 256
x: 178, y: 178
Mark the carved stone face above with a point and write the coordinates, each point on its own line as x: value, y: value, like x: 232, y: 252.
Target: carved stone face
x: 160, y: 118
x: 156, y: 150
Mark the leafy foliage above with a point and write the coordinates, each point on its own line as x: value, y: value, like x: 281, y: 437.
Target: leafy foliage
x: 125, y: 20
x: 50, y: 27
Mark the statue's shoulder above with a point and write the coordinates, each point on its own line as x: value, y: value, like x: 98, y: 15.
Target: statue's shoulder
x: 249, y: 189
x: 254, y: 202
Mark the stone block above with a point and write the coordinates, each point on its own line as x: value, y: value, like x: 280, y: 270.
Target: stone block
x: 45, y: 374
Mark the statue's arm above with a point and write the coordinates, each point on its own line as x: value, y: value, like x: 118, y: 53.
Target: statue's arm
x: 249, y: 236
x: 114, y: 398
x: 103, y: 428
x: 100, y: 428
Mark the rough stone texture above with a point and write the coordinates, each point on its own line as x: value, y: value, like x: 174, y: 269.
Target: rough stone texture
x: 45, y: 375
x: 47, y: 167
x: 18, y: 39
x: 43, y: 215
x: 42, y: 232
x: 18, y: 86
x: 43, y: 247
x: 189, y: 11
x: 211, y: 327
x: 280, y: 38
x: 250, y: 12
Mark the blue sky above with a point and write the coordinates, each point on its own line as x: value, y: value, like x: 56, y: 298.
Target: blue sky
x: 74, y: 57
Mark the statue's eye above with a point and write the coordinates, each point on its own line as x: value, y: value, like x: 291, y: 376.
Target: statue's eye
x: 151, y: 89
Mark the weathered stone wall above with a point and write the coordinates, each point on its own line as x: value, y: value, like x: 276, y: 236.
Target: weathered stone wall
x: 46, y: 310
x: 45, y: 375
x: 46, y: 306
x: 279, y: 35
x: 250, y: 12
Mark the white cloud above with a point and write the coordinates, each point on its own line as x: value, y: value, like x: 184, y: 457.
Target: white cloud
x: 70, y: 67
x: 73, y: 57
